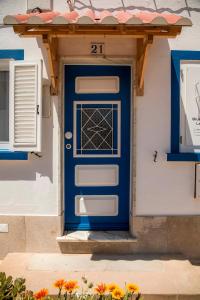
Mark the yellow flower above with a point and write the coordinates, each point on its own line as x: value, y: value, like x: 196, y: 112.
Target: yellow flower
x: 132, y: 288
x: 101, y: 288
x: 118, y: 294
x: 111, y: 287
x: 70, y: 286
x: 59, y: 283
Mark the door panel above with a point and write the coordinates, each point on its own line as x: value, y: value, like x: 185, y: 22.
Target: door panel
x: 97, y: 147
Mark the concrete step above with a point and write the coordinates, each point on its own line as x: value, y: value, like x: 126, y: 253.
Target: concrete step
x: 159, y: 277
x: 80, y: 242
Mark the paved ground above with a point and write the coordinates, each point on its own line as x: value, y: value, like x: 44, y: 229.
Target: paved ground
x: 161, y: 277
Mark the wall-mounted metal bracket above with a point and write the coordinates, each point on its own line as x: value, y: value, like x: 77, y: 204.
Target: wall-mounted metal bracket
x: 36, y: 154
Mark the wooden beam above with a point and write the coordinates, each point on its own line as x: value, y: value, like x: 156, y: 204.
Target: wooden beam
x: 142, y: 51
x: 51, y: 45
x: 135, y: 31
x: 62, y: 34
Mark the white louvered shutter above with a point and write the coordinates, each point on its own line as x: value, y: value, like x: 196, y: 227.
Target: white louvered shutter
x: 25, y: 105
x: 190, y: 105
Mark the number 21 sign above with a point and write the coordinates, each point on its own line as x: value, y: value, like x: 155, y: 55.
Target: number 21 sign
x: 97, y: 48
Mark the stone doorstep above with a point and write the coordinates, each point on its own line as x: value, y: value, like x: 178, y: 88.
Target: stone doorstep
x: 97, y: 236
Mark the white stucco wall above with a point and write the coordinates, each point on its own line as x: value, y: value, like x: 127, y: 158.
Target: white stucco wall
x: 163, y: 188
x: 30, y: 187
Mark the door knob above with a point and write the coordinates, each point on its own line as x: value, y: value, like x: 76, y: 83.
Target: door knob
x: 68, y: 135
x: 68, y: 146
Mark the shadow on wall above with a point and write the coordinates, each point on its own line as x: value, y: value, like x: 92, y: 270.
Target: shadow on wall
x: 154, y: 108
x: 148, y: 5
x: 46, y: 63
x: 27, y: 170
x: 137, y: 257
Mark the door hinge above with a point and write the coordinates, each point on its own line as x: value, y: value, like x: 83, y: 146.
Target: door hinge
x: 38, y: 109
x: 181, y: 139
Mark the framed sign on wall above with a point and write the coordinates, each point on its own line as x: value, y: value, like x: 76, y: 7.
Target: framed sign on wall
x: 185, y: 106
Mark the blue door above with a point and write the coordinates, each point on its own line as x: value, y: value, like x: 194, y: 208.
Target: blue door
x: 97, y: 147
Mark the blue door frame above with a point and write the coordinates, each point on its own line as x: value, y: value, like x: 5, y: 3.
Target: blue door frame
x: 122, y: 190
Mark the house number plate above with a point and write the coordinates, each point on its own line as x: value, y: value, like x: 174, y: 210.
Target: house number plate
x: 97, y: 48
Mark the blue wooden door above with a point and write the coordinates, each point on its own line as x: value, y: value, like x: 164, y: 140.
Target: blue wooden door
x: 97, y: 147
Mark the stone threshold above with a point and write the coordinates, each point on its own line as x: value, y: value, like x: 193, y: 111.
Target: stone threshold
x: 97, y: 236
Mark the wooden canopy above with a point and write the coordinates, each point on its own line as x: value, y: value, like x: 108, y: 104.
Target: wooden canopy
x: 143, y: 26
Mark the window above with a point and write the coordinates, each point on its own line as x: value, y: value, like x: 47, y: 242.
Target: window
x: 20, y: 105
x: 185, y: 99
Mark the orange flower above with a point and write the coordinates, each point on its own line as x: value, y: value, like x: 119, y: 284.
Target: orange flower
x: 41, y: 294
x: 132, y: 288
x: 70, y: 286
x: 111, y: 287
x: 101, y: 289
x: 59, y: 284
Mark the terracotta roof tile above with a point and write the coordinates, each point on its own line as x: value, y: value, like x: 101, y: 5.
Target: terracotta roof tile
x: 105, y: 17
x: 65, y: 18
x: 128, y: 18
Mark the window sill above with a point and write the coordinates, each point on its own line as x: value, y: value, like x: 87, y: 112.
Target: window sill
x: 10, y: 155
x: 183, y: 157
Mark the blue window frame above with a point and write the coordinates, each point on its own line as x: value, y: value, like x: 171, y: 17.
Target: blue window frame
x: 6, y: 154
x: 176, y: 57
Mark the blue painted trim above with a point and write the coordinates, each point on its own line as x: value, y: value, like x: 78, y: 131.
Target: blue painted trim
x: 183, y: 156
x: 7, y: 154
x: 17, y: 54
x: 176, y: 57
